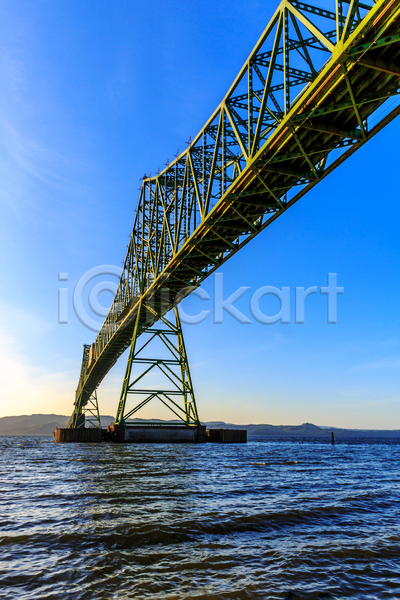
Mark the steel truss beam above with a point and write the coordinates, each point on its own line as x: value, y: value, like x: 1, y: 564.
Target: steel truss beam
x: 301, y: 104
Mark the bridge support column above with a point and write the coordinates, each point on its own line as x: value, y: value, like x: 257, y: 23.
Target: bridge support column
x: 86, y: 407
x: 177, y: 392
x: 91, y: 411
x: 86, y: 411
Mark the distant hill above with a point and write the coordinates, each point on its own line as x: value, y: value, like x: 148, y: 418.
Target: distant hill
x: 308, y: 430
x: 39, y: 424
x: 46, y: 424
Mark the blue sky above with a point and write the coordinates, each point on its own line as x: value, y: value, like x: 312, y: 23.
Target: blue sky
x: 96, y: 94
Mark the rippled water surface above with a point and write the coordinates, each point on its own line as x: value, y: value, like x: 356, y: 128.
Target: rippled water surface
x: 263, y: 520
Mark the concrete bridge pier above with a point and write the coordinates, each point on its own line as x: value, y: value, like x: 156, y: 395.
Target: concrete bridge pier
x: 166, y: 434
x: 82, y: 434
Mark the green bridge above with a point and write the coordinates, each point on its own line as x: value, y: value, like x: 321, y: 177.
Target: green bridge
x: 312, y: 92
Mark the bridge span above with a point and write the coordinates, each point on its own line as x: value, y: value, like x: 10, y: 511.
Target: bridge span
x: 317, y: 86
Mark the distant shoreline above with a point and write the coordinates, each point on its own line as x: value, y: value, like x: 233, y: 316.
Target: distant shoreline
x: 45, y: 424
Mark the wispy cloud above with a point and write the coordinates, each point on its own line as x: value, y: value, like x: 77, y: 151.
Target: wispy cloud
x: 381, y: 364
x: 40, y: 158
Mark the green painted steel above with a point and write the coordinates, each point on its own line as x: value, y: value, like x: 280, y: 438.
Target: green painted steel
x: 91, y: 412
x: 179, y: 395
x: 306, y: 99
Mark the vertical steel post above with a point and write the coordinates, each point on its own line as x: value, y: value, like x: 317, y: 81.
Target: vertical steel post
x: 187, y: 387
x: 286, y: 82
x: 128, y: 370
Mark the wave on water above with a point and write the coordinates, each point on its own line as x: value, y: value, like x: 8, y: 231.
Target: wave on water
x: 264, y: 520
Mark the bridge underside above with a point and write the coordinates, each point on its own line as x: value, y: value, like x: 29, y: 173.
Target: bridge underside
x: 255, y: 158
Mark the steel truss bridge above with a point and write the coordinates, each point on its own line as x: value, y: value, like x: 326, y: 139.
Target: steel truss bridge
x: 320, y: 82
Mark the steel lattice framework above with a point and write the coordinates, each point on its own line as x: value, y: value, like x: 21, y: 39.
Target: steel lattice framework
x: 314, y: 89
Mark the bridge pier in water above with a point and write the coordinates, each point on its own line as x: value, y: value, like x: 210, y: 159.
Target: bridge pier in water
x: 176, y: 392
x: 167, y: 434
x: 152, y: 433
x: 83, y: 434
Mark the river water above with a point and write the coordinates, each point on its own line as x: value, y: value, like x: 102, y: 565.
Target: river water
x: 267, y: 519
